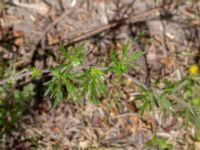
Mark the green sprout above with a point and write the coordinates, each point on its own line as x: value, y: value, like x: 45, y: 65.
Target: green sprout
x: 124, y: 63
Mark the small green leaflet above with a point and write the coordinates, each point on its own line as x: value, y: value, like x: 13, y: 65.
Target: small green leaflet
x: 36, y: 72
x: 71, y: 88
x: 144, y: 106
x: 165, y: 102
x: 63, y: 50
x: 114, y: 58
x: 124, y: 50
x: 155, y: 99
x: 94, y: 94
x: 134, y: 56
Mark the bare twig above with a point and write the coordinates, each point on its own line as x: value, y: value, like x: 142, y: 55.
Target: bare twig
x: 47, y: 30
x: 74, y: 38
x: 20, y: 76
x: 94, y: 31
x: 125, y: 115
x: 43, y: 71
x: 99, y: 29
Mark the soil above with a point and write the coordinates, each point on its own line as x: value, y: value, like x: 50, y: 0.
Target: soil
x: 168, y: 31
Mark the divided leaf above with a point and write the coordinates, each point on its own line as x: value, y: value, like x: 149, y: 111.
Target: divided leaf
x: 36, y: 72
x: 134, y: 56
x: 124, y: 50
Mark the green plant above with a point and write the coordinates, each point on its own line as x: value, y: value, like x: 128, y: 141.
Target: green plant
x: 191, y: 98
x: 80, y: 81
x: 76, y: 81
x: 149, y: 98
x: 161, y: 143
x: 123, y: 64
x: 152, y: 97
x: 71, y: 78
x: 182, y: 93
x: 13, y: 105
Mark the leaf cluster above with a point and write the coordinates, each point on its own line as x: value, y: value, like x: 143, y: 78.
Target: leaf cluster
x: 184, y: 94
x: 11, y: 109
x: 160, y: 143
x: 124, y: 63
x: 90, y: 81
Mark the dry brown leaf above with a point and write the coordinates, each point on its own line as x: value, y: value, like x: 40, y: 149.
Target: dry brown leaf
x: 52, y: 39
x: 100, y: 132
x: 17, y: 34
x: 19, y: 41
x: 53, y: 142
x: 113, y: 112
x: 168, y: 62
x: 84, y: 144
x: 40, y: 7
x: 197, y: 146
x: 134, y: 123
x: 55, y: 129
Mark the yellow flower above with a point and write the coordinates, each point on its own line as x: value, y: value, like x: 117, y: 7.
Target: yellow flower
x: 194, y: 69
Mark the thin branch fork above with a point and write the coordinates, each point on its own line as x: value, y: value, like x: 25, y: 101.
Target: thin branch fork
x: 20, y: 76
x: 30, y: 73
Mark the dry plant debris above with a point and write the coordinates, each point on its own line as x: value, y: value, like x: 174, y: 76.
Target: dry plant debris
x: 168, y: 31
